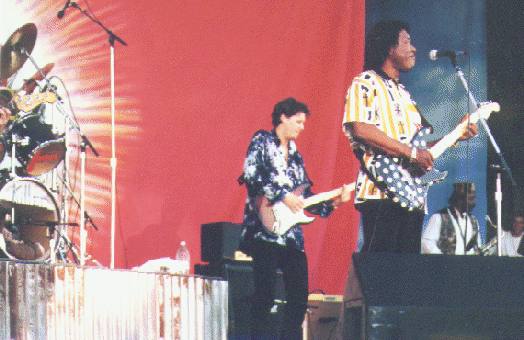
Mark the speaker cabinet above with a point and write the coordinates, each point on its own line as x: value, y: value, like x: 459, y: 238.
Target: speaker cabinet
x: 322, y: 316
x: 239, y: 275
x: 429, y: 297
x: 219, y: 241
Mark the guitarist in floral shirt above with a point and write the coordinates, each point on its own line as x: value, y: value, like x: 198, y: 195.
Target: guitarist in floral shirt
x: 273, y: 170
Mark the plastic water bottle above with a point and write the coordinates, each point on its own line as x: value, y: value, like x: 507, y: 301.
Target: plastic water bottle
x: 183, y: 258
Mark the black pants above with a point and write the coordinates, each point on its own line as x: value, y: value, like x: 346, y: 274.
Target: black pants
x: 267, y: 257
x: 390, y: 228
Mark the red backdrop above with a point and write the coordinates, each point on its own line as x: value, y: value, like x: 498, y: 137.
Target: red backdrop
x: 196, y: 81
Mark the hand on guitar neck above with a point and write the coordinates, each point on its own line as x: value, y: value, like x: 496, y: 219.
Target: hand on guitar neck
x: 423, y: 160
x: 345, y: 194
x: 470, y: 131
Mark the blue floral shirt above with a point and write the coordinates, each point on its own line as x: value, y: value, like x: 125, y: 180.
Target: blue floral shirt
x: 267, y: 173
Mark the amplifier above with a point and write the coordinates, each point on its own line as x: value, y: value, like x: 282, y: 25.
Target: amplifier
x: 219, y: 241
x: 322, y: 316
x: 239, y: 275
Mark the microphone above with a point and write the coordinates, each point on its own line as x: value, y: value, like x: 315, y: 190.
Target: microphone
x: 61, y: 13
x: 436, y: 54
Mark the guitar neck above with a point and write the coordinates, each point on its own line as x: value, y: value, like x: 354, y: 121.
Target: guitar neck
x: 447, y: 141
x: 324, y: 196
x: 451, y: 138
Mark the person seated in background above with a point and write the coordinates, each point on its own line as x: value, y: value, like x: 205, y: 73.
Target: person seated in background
x: 454, y: 230
x: 512, y: 239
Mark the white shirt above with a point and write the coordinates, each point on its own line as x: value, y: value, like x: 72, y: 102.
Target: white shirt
x: 431, y: 234
x: 509, y: 244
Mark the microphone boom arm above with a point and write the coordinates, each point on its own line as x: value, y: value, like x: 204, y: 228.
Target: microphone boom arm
x: 474, y: 102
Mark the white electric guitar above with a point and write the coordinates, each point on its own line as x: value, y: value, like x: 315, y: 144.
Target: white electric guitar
x: 278, y: 218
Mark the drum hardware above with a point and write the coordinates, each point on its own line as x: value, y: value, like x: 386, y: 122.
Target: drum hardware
x: 87, y: 218
x: 64, y: 246
x: 31, y: 205
x: 30, y: 84
x: 35, y: 145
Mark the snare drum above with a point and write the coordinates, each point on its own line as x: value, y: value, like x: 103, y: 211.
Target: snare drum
x: 38, y: 149
x: 35, y: 208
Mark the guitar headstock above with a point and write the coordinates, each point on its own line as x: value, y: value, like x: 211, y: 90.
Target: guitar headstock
x: 484, y: 111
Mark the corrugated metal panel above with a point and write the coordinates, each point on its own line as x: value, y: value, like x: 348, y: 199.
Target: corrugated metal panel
x: 41, y: 301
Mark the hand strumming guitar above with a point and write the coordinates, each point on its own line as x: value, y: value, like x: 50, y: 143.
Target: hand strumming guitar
x: 422, y: 160
x: 293, y: 202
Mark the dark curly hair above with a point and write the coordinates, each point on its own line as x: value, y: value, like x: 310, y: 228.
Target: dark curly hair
x: 289, y: 107
x: 382, y: 37
x: 460, y: 192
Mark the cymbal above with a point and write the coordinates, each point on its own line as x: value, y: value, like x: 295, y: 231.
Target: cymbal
x: 11, y: 56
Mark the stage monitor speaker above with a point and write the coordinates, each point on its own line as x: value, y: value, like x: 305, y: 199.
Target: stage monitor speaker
x: 219, y: 241
x: 239, y: 275
x: 430, y: 297
x: 322, y: 316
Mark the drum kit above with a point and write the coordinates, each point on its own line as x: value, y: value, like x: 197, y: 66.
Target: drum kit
x: 32, y: 191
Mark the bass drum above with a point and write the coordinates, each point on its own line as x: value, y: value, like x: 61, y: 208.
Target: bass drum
x: 35, y: 212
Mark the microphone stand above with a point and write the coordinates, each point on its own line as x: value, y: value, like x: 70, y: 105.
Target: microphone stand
x: 71, y: 247
x: 112, y: 38
x: 505, y: 166
x: 84, y: 217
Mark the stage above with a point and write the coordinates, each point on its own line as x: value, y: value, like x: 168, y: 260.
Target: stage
x: 43, y: 301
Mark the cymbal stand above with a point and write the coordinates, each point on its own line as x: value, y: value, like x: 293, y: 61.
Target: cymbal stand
x: 14, y: 141
x: 505, y: 166
x: 84, y: 141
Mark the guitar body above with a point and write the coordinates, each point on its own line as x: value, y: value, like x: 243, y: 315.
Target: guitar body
x: 278, y: 218
x: 399, y: 180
